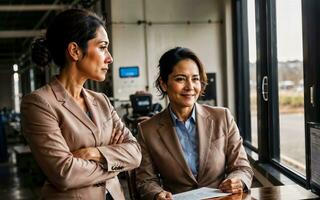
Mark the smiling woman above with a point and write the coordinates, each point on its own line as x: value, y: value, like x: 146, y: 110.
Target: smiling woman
x: 75, y: 134
x: 201, y: 143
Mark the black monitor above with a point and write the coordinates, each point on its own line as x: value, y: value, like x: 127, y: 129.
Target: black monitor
x: 141, y: 103
x: 210, y: 94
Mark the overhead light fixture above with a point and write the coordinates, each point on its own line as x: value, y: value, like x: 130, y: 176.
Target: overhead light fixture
x: 15, y: 67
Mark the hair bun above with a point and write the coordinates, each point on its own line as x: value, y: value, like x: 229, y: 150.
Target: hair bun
x: 40, y: 53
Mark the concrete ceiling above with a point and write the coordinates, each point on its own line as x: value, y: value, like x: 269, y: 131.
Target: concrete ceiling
x: 23, y: 20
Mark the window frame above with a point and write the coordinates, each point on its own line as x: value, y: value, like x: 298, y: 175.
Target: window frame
x: 268, y: 133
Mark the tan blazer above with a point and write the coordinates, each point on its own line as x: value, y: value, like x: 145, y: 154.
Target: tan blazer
x: 221, y: 154
x: 54, y: 125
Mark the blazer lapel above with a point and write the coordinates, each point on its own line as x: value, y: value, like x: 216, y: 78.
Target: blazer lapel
x: 94, y: 110
x: 92, y: 106
x: 171, y: 141
x: 205, y: 132
x: 67, y: 101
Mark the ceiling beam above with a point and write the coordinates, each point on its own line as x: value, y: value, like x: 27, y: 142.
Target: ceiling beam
x: 21, y: 33
x: 29, y: 8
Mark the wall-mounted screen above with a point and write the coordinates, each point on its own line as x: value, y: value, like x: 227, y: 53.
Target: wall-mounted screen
x: 128, y: 72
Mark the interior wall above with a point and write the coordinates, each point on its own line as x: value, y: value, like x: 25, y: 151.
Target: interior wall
x: 128, y: 46
x: 229, y: 83
x: 166, y: 27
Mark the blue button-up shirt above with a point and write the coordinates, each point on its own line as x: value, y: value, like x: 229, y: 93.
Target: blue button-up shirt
x: 188, y: 138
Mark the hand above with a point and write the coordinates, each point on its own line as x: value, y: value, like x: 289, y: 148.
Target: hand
x: 164, y: 195
x: 90, y: 153
x: 116, y: 137
x: 233, y: 185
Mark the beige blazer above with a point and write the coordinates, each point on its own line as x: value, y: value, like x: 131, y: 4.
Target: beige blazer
x: 221, y: 154
x: 54, y: 126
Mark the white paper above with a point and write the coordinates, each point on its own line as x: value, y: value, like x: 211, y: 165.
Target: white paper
x: 201, y: 193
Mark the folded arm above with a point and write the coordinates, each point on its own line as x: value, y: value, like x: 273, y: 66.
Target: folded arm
x: 124, y: 155
x: 41, y: 129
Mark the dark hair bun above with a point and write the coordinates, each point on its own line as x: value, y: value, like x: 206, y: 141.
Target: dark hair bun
x: 40, y: 53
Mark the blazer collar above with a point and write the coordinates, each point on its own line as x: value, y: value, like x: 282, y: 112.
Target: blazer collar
x: 58, y: 90
x: 62, y: 95
x: 89, y: 97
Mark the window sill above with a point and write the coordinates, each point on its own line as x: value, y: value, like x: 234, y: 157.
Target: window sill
x: 267, y: 170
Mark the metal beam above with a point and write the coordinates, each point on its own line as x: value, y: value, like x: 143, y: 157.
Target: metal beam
x: 29, y: 8
x: 21, y: 33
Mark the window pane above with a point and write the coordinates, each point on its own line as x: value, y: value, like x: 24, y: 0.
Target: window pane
x: 290, y: 83
x: 252, y: 70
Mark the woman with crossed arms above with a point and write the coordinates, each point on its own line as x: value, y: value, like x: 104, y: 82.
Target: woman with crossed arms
x: 74, y: 133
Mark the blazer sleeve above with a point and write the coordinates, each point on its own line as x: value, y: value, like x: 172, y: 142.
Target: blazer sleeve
x: 125, y: 156
x: 237, y: 162
x: 148, y: 182
x: 41, y: 129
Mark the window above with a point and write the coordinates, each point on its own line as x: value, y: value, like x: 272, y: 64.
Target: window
x: 252, y: 71
x: 273, y: 68
x: 290, y: 84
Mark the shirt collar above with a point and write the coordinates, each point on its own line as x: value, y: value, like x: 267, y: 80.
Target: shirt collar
x: 174, y: 118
